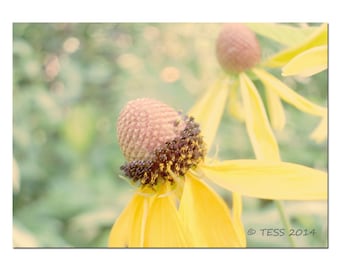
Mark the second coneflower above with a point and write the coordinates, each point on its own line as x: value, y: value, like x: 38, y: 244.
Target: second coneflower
x: 173, y: 206
x: 239, y: 54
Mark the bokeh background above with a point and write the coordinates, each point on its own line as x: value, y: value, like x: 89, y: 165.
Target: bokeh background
x: 69, y: 83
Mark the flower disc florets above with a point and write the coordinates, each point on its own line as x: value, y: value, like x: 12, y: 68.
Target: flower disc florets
x: 237, y: 48
x: 157, y: 141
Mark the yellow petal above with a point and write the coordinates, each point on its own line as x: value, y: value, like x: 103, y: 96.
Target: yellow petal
x: 288, y: 94
x: 308, y: 63
x: 276, y: 111
x: 318, y: 38
x: 209, y: 109
x: 235, y: 107
x: 128, y: 229
x: 237, y: 218
x: 258, y: 128
x: 268, y: 180
x: 163, y: 227
x: 320, y: 132
x: 206, y: 215
x: 282, y: 33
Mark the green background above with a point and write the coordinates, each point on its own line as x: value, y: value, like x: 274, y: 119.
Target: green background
x: 69, y: 83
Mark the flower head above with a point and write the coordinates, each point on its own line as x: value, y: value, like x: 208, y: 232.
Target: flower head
x: 237, y: 48
x: 241, y: 95
x: 161, y: 146
x: 172, y: 205
x: 158, y: 141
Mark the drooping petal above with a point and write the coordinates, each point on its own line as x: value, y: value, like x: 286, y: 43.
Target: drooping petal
x: 258, y: 127
x: 237, y: 218
x: 318, y: 38
x: 285, y: 34
x: 319, y: 134
x: 128, y: 229
x: 163, y: 227
x: 206, y: 215
x: 288, y: 94
x: 308, y: 63
x: 235, y: 107
x: 276, y: 111
x: 268, y: 180
x: 209, y: 109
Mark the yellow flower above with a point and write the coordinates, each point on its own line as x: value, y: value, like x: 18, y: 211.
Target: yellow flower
x: 238, y: 53
x: 173, y: 206
x: 306, y: 58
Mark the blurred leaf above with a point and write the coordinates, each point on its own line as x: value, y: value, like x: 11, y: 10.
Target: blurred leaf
x: 94, y: 218
x: 72, y: 77
x: 49, y: 106
x: 79, y: 127
x: 99, y: 71
x: 285, y: 34
x: 89, y: 225
x: 22, y: 48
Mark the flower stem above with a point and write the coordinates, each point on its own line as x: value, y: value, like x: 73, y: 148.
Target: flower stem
x: 285, y: 221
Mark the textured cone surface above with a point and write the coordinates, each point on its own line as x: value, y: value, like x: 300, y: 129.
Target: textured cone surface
x: 144, y: 125
x: 237, y: 48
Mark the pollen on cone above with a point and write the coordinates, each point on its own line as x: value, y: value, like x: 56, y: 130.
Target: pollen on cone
x: 145, y: 124
x: 237, y: 48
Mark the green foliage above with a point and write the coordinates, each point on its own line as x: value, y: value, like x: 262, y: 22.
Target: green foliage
x: 70, y: 82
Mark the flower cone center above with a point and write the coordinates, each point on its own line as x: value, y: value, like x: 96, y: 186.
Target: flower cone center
x: 162, y: 144
x: 237, y: 48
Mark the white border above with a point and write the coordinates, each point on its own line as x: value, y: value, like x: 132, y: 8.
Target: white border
x: 163, y: 11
